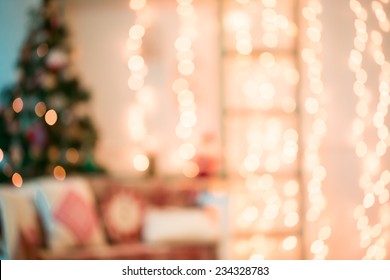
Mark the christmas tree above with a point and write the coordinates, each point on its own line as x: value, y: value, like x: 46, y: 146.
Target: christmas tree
x: 44, y: 128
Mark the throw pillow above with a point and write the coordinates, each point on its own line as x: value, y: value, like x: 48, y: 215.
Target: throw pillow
x: 68, y: 212
x: 122, y: 212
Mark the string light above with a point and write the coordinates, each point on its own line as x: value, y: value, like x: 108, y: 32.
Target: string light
x: 143, y: 99
x: 374, y: 179
x: 72, y: 155
x: 271, y: 142
x: 17, y: 105
x: 51, y: 117
x: 17, y: 180
x: 182, y: 86
x: 59, y: 173
x: 313, y: 105
x: 40, y: 109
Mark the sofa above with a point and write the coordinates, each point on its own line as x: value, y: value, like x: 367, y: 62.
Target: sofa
x: 103, y: 218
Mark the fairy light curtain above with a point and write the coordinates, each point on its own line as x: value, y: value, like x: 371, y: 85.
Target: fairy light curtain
x: 268, y: 51
x: 371, y: 69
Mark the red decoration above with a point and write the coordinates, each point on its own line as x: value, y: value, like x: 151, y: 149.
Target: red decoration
x: 78, y: 216
x: 122, y: 214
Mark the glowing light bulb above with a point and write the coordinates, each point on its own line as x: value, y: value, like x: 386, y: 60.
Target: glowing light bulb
x: 59, y: 173
x: 17, y: 180
x: 51, y: 117
x: 17, y: 105
x: 141, y: 162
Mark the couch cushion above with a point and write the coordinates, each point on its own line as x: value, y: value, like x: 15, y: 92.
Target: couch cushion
x: 175, y: 225
x: 68, y: 212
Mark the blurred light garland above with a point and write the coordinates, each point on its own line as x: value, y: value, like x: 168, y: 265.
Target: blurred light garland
x: 317, y: 115
x: 182, y: 87
x: 267, y: 204
x: 143, y: 99
x: 374, y: 179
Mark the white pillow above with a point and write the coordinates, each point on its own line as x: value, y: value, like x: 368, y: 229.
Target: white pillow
x: 68, y: 212
x: 179, y: 225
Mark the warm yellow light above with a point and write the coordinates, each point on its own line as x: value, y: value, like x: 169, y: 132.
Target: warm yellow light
x: 384, y: 196
x: 242, y: 247
x: 180, y: 84
x: 358, y: 212
x: 288, y: 104
x: 270, y: 39
x: 362, y: 109
x: 187, y: 151
x: 290, y: 205
x: 244, y: 47
x: 311, y: 105
x: 314, y: 34
x: 362, y: 222
x: 271, y: 211
x: 188, y: 119
x: 185, y: 9
x: 141, y: 162
x: 267, y: 90
x: 317, y: 247
x: 308, y: 55
x: 250, y: 214
x: 137, y: 4
x: 136, y: 63
x: 186, y: 67
x: 251, y: 162
x: 190, y: 169
x: 183, y: 132
x: 40, y: 109
x: 324, y: 233
x: 186, y: 98
x: 136, y: 32
x: 291, y: 188
x: 381, y: 148
x: 289, y: 243
x: 272, y: 164
x: 51, y: 117
x: 1, y: 155
x: 72, y: 155
x: 309, y: 13
x: 59, y: 173
x: 183, y: 43
x: 237, y: 20
x: 256, y: 257
x: 358, y: 126
x: 376, y: 230
x: 267, y: 60
x: 17, y: 105
x: 133, y: 44
x: 136, y: 82
x: 313, y: 214
x: 291, y: 219
x: 17, y: 180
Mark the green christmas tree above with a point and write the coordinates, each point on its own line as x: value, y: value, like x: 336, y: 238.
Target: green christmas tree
x: 44, y: 128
